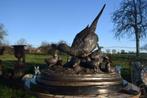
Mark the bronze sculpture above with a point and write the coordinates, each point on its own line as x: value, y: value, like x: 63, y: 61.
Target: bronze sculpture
x: 52, y: 60
x: 82, y: 48
x: 87, y: 73
x: 84, y: 42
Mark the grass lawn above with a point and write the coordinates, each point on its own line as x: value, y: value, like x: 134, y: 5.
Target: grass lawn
x: 123, y: 59
x: 31, y: 59
x: 7, y: 92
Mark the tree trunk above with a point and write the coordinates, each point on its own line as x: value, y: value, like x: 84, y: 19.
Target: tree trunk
x: 137, y: 44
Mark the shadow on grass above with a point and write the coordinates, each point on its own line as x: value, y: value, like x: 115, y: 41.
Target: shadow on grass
x: 11, y: 88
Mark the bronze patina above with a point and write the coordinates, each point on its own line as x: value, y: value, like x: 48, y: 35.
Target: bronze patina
x: 82, y: 49
x: 78, y: 84
x: 85, y: 41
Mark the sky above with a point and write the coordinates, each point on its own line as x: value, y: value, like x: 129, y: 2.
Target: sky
x: 39, y: 21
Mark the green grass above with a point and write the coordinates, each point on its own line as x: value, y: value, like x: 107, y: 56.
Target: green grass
x: 38, y: 59
x: 9, y: 61
x: 7, y: 92
x: 30, y: 58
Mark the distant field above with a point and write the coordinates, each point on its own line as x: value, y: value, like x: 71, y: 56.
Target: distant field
x: 8, y: 60
x: 30, y: 58
x: 38, y: 59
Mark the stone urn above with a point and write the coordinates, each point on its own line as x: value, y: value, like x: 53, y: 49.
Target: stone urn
x: 2, y: 50
x: 19, y: 53
x: 1, y: 53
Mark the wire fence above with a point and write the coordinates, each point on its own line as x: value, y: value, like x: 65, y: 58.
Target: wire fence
x: 116, y: 49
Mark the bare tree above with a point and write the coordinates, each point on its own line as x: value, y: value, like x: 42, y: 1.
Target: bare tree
x: 114, y: 51
x: 2, y: 33
x: 45, y: 47
x: 21, y: 41
x: 108, y: 51
x: 45, y: 43
x: 130, y: 19
x: 123, y: 51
